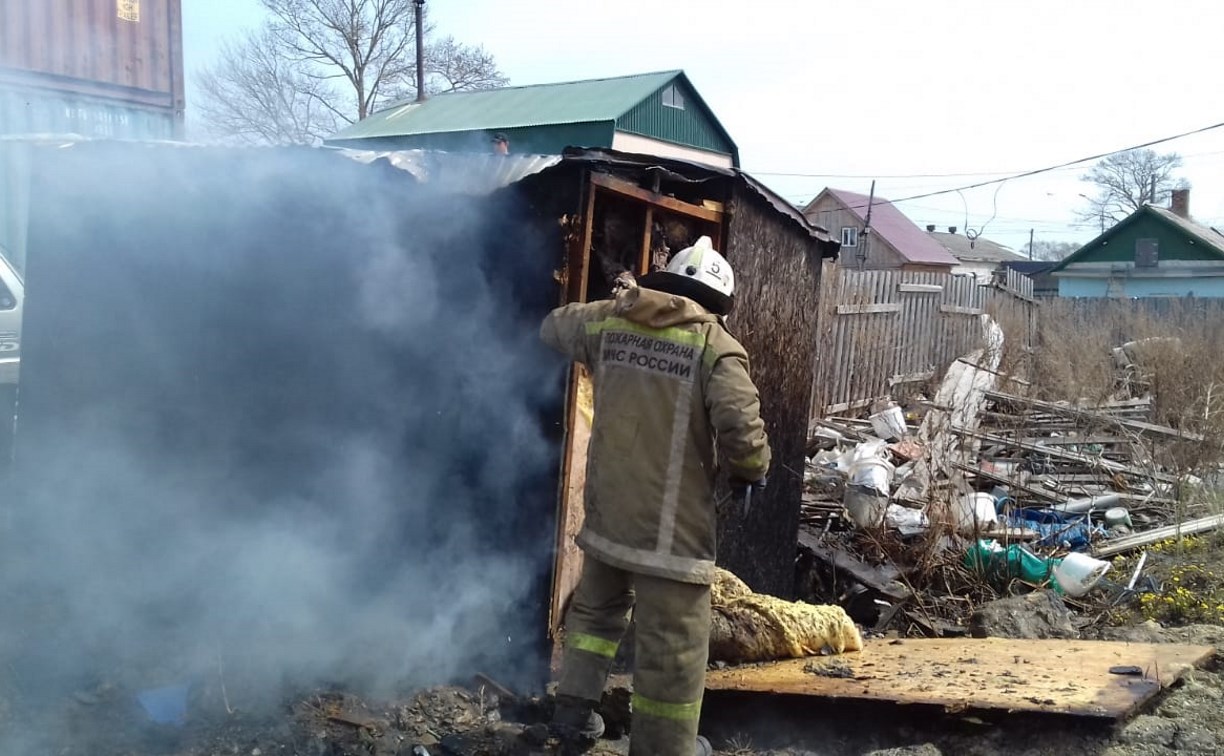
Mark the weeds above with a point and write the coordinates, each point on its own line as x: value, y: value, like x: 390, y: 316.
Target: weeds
x: 1192, y: 594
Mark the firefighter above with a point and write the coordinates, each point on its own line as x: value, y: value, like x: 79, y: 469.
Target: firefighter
x: 674, y: 403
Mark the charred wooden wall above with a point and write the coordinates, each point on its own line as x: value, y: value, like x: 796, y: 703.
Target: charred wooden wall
x: 777, y: 278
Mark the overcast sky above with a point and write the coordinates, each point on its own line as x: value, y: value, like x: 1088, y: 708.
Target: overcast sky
x: 842, y: 92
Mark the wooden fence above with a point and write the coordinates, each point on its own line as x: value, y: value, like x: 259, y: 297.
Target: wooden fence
x: 881, y: 332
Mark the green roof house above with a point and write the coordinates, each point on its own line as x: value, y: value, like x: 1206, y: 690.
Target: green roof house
x: 1153, y: 252
x: 653, y: 114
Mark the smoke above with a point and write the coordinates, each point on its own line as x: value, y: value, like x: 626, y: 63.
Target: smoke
x: 284, y: 420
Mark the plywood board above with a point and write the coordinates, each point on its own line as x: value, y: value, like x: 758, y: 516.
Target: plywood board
x: 1050, y: 676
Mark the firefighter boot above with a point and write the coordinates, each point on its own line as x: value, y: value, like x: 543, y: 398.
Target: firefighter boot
x: 576, y: 719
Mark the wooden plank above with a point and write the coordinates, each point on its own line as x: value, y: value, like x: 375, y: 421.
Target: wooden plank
x: 883, y: 581
x: 916, y: 288
x: 1015, y: 292
x: 647, y: 237
x: 579, y: 263
x: 856, y: 404
x: 870, y: 356
x: 1037, y: 493
x: 1093, y: 415
x: 633, y: 191
x: 867, y: 309
x: 911, y: 378
x: 960, y: 674
x: 1051, y: 451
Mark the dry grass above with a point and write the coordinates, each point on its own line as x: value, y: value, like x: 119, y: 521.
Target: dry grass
x: 1181, y: 366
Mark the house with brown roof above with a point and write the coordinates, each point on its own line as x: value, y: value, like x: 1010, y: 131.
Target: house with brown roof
x: 978, y: 257
x: 892, y: 241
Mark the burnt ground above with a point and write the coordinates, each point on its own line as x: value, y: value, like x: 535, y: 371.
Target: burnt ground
x: 446, y: 721
x: 106, y: 720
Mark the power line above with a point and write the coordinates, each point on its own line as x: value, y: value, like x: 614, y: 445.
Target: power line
x: 1010, y: 174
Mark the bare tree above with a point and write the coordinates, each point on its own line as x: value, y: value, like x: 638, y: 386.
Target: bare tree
x: 253, y: 96
x: 318, y: 65
x: 1049, y: 251
x: 1127, y: 181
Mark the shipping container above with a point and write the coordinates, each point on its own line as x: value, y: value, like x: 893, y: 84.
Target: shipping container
x: 99, y: 69
x: 36, y: 114
x: 128, y: 51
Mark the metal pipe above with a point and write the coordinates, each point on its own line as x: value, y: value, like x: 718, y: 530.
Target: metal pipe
x: 1139, y: 540
x: 420, y: 50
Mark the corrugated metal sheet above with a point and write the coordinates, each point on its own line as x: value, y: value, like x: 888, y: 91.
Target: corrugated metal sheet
x: 699, y: 172
x: 127, y: 50
x: 458, y: 172
x: 34, y: 111
x: 530, y: 140
x: 511, y: 107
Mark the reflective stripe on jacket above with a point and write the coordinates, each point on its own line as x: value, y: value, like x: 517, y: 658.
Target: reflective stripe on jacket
x: 671, y: 385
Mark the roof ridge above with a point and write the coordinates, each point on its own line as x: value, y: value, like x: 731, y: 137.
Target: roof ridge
x: 460, y: 92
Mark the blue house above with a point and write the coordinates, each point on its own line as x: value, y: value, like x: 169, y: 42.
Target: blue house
x: 1153, y: 252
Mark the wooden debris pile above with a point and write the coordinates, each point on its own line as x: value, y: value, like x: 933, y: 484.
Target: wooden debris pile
x: 1106, y: 468
x: 1026, y: 491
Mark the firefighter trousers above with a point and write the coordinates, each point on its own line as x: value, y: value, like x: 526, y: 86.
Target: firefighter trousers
x: 672, y: 641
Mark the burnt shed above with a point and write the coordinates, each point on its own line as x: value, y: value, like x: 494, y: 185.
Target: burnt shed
x: 630, y: 212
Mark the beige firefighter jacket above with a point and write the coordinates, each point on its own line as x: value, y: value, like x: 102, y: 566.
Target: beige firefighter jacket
x: 670, y: 383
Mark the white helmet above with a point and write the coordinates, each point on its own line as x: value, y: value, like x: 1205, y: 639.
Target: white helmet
x: 703, y: 264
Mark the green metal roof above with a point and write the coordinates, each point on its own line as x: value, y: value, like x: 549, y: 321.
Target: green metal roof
x: 587, y: 101
x: 1208, y: 243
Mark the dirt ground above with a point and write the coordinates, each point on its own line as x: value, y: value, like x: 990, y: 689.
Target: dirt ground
x: 106, y: 721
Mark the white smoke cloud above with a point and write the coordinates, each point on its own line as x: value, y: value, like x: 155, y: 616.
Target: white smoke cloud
x: 287, y: 420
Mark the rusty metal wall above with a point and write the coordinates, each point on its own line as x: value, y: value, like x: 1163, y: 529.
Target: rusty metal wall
x: 124, y: 50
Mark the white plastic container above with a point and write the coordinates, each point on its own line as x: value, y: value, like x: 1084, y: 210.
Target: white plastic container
x: 865, y: 507
x: 1077, y: 573
x: 872, y: 472
x: 1116, y: 516
x: 973, y: 512
x: 889, y: 423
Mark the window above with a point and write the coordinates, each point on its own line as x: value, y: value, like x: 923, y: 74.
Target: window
x: 849, y: 236
x: 673, y: 98
x: 1147, y: 253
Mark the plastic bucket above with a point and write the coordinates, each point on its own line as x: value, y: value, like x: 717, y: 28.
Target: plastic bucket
x: 1117, y: 516
x: 1077, y: 573
x: 865, y: 506
x: 889, y: 423
x: 973, y: 511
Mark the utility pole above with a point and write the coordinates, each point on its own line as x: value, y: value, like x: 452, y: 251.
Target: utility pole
x: 420, y: 50
x: 1030, y: 244
x: 863, y: 242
